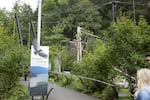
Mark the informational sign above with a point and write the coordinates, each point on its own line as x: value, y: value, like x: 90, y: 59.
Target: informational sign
x: 39, y: 71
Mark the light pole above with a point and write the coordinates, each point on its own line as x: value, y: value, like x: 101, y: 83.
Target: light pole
x: 39, y: 25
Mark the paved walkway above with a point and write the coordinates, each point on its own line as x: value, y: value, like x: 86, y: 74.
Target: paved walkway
x: 60, y: 93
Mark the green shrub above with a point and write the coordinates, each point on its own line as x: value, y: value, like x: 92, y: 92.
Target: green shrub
x: 19, y: 93
x: 108, y: 94
x: 12, y: 63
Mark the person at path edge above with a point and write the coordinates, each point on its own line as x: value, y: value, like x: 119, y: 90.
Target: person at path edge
x: 148, y: 58
x: 143, y: 85
x: 148, y: 63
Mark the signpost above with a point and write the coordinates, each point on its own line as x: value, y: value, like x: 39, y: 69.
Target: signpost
x: 39, y: 63
x: 39, y: 72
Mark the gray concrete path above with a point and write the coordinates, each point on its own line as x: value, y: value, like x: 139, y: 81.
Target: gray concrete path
x: 60, y: 93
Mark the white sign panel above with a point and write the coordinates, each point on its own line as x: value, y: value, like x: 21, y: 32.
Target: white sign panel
x: 39, y: 71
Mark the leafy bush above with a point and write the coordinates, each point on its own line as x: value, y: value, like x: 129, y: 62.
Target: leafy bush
x: 20, y: 93
x: 109, y: 94
x: 12, y: 63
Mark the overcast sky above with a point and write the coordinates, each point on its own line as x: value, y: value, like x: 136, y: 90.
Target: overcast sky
x: 8, y: 4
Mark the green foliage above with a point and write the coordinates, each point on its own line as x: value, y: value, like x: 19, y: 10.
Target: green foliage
x: 54, y: 40
x: 54, y: 54
x: 123, y: 45
x: 19, y: 93
x: 68, y: 57
x: 25, y: 15
x: 67, y: 16
x: 123, y: 90
x: 128, y: 40
x: 130, y: 43
x: 72, y: 81
x: 95, y: 66
x: 108, y: 94
x: 4, y: 19
x: 12, y: 62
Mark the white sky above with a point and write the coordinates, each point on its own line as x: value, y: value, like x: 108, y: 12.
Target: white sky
x: 8, y: 4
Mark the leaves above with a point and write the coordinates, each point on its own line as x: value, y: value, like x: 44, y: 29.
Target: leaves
x: 128, y: 40
x: 12, y: 64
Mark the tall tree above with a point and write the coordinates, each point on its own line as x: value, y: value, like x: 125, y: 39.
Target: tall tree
x: 25, y: 14
x: 71, y: 13
x: 130, y: 43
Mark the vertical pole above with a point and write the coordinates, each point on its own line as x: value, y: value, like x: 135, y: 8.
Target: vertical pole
x: 80, y: 45
x: 113, y: 11
x: 77, y: 36
x: 39, y: 24
x: 14, y: 27
x: 29, y: 35
x: 32, y: 97
x: 33, y: 30
x: 134, y: 10
x: 79, y: 48
x: 59, y: 57
x: 19, y: 29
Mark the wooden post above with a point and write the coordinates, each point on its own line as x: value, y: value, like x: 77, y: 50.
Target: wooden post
x: 79, y: 47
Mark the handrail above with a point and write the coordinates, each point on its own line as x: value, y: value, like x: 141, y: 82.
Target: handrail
x: 50, y: 89
x: 124, y: 73
x: 93, y: 79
